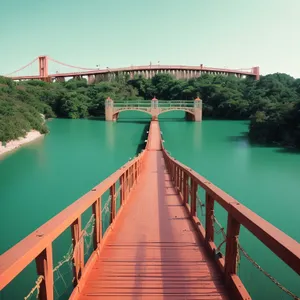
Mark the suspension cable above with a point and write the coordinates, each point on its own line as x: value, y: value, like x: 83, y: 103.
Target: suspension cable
x: 22, y: 67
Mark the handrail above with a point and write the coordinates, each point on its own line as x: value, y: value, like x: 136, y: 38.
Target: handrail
x: 38, y: 245
x: 282, y: 245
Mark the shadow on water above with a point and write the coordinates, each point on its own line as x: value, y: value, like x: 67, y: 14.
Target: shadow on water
x: 133, y: 121
x: 169, y: 120
x: 243, y: 137
x: 288, y: 150
x: 99, y: 118
x: 142, y: 144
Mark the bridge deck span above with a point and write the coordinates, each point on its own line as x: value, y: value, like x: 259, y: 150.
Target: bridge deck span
x: 152, y: 251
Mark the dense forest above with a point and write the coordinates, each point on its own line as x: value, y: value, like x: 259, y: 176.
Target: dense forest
x: 272, y: 104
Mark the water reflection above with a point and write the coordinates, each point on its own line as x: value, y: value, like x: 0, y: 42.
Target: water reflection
x: 110, y: 132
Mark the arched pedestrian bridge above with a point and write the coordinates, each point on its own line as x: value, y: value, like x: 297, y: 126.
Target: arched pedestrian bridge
x: 154, y: 108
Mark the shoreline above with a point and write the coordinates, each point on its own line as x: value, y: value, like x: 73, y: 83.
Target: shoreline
x: 31, y: 136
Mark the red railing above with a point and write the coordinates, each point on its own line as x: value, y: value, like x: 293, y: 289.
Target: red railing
x: 38, y: 245
x: 187, y: 182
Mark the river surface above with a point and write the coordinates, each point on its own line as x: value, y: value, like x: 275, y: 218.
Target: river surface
x: 39, y: 180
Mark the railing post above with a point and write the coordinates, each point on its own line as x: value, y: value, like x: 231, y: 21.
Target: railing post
x: 130, y: 178
x: 209, y: 222
x: 175, y: 176
x: 180, y: 181
x: 185, y: 188
x: 233, y: 230
x: 113, y: 202
x: 126, y: 185
x: 44, y: 266
x: 193, y: 196
x: 98, y: 222
x: 138, y: 163
x: 135, y: 172
x: 78, y: 246
x: 122, y: 191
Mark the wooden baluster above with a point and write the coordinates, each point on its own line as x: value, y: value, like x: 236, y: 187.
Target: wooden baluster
x: 173, y: 172
x: 98, y: 222
x: 180, y: 181
x: 44, y: 266
x: 209, y: 222
x: 78, y: 246
x: 176, y: 178
x: 113, y: 202
x: 122, y: 194
x: 133, y: 174
x: 128, y: 182
x: 185, y: 188
x: 233, y: 230
x: 193, y: 197
x: 126, y: 185
x: 130, y: 176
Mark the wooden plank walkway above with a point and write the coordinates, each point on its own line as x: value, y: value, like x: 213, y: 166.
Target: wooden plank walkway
x: 152, y: 251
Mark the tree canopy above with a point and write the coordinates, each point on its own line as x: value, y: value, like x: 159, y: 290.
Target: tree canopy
x: 272, y: 104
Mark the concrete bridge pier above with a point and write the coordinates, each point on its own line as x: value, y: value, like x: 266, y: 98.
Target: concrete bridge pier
x: 91, y: 79
x: 109, y: 110
x: 198, y: 110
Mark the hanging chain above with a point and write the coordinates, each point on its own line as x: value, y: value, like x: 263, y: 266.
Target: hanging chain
x: 251, y: 260
x: 69, y: 256
x: 198, y: 199
x: 36, y: 287
x: 275, y: 281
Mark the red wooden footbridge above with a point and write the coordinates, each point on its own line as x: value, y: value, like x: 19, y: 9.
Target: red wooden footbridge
x: 153, y: 246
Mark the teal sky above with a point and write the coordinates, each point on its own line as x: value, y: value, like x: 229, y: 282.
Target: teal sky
x: 115, y: 33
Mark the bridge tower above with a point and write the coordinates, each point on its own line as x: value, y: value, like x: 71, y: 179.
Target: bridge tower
x: 197, y: 110
x: 43, y: 66
x: 255, y: 70
x: 109, y: 110
x: 154, y: 109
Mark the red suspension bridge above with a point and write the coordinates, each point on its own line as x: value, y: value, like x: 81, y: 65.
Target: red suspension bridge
x: 39, y: 70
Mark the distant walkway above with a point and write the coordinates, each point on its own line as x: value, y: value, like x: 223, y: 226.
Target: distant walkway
x: 153, y: 251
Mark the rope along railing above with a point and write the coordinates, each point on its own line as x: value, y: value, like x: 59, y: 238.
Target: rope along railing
x: 221, y: 230
x: 251, y: 260
x: 181, y: 177
x: 68, y: 258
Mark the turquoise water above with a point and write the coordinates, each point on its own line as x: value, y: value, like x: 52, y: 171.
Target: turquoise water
x: 40, y: 179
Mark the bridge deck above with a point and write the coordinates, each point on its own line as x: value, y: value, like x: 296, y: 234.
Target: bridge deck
x: 152, y: 251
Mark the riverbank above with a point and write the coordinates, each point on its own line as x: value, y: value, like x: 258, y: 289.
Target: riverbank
x: 14, y: 144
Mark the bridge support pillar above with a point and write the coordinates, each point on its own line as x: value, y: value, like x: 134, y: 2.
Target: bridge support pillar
x: 91, y: 79
x: 198, y: 110
x: 109, y: 110
x: 60, y: 79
